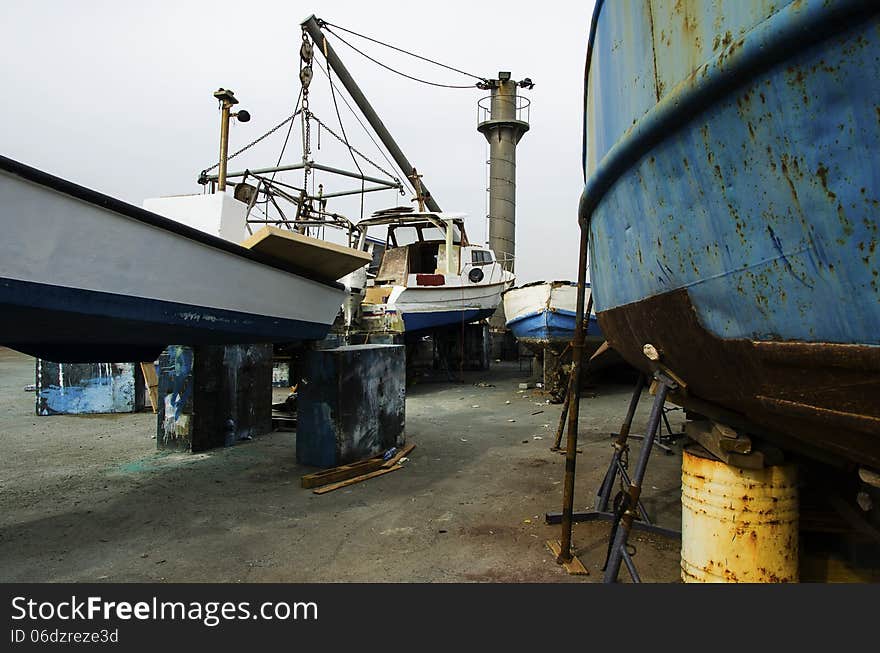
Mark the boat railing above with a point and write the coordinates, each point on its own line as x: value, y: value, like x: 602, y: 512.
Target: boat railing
x: 505, y: 260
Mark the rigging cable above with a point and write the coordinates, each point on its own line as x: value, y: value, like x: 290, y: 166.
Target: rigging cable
x: 412, y: 54
x: 369, y: 135
x: 255, y: 141
x: 289, y: 129
x: 344, y: 135
x: 397, y: 72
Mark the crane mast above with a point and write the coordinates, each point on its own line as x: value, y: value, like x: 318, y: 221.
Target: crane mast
x: 312, y: 26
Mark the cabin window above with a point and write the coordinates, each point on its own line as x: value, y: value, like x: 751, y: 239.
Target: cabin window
x: 481, y: 257
x: 433, y: 233
x: 422, y: 258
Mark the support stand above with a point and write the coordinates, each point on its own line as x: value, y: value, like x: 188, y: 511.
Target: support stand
x: 618, y: 549
x: 627, y: 506
x: 663, y: 442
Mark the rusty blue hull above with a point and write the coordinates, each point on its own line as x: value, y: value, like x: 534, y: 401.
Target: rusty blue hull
x: 731, y: 151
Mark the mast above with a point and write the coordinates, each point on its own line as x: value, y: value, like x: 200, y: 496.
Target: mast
x: 312, y: 26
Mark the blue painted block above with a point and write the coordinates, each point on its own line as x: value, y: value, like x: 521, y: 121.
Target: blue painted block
x: 351, y: 404
x: 87, y: 388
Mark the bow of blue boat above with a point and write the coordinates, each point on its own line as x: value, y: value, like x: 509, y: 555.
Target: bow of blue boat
x: 732, y: 206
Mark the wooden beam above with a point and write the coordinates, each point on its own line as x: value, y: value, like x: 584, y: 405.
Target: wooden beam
x: 342, y: 472
x: 357, y: 479
x: 152, y: 381
x: 328, y: 260
x: 729, y: 450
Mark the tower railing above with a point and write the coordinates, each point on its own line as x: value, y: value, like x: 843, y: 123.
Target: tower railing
x: 522, y: 108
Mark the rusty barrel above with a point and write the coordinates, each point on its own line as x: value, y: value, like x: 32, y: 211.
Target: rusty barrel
x: 737, y: 525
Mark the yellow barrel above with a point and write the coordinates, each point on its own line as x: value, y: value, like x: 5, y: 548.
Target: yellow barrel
x: 738, y: 525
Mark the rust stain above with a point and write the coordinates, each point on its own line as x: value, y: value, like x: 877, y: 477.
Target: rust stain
x: 822, y: 173
x: 791, y: 186
x: 845, y: 222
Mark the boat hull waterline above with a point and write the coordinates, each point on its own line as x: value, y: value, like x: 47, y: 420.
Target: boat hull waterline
x: 436, y: 307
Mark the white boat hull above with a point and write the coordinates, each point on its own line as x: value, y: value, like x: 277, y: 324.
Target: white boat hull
x: 82, y: 274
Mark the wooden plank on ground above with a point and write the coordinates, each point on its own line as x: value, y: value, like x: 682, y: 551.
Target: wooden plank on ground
x: 341, y: 472
x: 574, y: 567
x: 357, y: 479
x: 325, y: 259
x: 403, y: 453
x: 152, y: 381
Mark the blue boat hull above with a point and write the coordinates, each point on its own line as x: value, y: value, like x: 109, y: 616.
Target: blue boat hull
x: 96, y: 325
x: 432, y: 320
x: 551, y: 327
x: 738, y: 214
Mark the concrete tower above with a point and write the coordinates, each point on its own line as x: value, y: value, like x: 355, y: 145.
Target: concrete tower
x: 503, y: 121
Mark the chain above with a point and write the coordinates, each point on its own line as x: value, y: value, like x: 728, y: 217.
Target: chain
x: 305, y: 75
x: 255, y: 141
x: 360, y: 154
x: 306, y: 52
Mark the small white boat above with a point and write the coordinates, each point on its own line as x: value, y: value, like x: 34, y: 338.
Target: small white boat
x: 430, y: 275
x: 542, y: 313
x: 84, y: 276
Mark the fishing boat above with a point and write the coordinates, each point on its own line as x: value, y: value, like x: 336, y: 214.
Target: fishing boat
x: 84, y: 276
x: 542, y: 314
x: 430, y: 275
x: 733, y: 197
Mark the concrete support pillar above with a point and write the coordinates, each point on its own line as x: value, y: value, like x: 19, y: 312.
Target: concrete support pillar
x: 213, y: 395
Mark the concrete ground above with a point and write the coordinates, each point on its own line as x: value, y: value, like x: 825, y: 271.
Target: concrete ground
x: 90, y: 498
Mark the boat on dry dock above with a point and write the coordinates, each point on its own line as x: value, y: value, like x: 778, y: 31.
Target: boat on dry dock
x: 84, y: 276
x: 542, y: 314
x: 430, y: 275
x: 733, y: 185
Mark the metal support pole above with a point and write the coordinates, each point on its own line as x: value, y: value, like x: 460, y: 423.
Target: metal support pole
x: 618, y: 547
x: 560, y: 428
x: 577, y: 352
x: 225, y: 105
x: 313, y: 27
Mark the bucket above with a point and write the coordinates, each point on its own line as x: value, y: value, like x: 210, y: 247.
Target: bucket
x: 737, y: 525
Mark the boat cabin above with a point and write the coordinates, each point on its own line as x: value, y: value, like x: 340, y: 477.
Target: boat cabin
x: 417, y: 244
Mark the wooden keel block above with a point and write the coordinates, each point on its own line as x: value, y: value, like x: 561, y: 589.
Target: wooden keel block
x: 574, y: 566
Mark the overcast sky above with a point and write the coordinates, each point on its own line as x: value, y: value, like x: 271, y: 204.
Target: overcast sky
x: 116, y: 96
